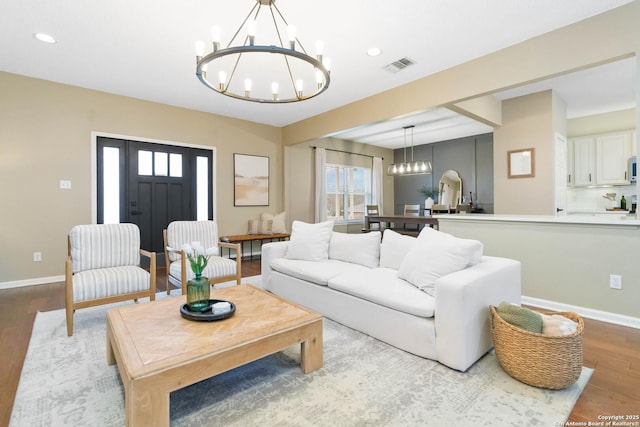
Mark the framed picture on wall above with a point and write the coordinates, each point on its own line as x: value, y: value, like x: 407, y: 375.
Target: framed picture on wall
x: 521, y: 163
x: 250, y: 180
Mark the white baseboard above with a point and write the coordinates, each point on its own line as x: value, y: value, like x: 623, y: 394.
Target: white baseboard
x: 31, y: 282
x: 589, y: 313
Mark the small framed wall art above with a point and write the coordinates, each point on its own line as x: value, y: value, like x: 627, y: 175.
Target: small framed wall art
x: 521, y: 163
x: 250, y: 180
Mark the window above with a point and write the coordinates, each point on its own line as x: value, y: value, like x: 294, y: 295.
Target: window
x: 348, y: 192
x: 202, y: 188
x: 111, y: 185
x: 159, y: 163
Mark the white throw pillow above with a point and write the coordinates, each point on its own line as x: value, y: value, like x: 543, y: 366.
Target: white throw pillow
x: 394, y: 248
x: 257, y: 226
x: 278, y: 226
x: 361, y: 248
x: 309, y: 242
x: 437, y: 254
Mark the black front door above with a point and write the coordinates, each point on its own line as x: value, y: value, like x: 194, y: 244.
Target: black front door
x: 160, y: 190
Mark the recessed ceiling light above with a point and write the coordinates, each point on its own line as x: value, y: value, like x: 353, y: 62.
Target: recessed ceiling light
x: 374, y: 51
x: 45, y: 38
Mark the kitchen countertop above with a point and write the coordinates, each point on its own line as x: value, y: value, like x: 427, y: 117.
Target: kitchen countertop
x: 603, y: 218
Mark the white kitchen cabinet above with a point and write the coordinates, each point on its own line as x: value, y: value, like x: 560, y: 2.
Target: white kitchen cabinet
x: 584, y: 160
x: 571, y: 179
x: 612, y: 158
x: 600, y: 159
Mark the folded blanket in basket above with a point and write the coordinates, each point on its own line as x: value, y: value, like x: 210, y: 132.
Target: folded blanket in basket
x: 558, y: 325
x: 521, y: 317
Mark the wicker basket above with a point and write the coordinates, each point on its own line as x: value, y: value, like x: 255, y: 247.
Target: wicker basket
x: 539, y: 360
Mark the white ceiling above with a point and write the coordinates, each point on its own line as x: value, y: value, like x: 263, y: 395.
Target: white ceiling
x: 145, y: 49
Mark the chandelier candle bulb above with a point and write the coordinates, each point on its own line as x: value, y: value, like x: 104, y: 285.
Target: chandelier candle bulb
x: 299, y: 87
x: 199, y: 50
x: 291, y: 31
x: 216, y: 34
x: 222, y: 79
x: 251, y: 31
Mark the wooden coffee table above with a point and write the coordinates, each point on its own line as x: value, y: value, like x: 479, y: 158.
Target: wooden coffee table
x: 158, y: 351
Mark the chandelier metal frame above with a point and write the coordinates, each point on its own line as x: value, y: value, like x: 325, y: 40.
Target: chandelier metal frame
x: 250, y: 48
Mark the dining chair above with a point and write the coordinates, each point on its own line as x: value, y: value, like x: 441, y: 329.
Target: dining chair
x: 411, y: 210
x: 103, y: 266
x: 373, y: 210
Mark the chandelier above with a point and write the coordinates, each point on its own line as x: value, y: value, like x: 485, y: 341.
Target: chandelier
x: 264, y: 68
x: 409, y: 168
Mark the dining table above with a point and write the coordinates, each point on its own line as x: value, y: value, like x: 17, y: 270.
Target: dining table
x: 388, y: 220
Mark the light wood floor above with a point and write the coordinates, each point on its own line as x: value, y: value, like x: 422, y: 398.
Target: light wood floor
x: 614, y: 352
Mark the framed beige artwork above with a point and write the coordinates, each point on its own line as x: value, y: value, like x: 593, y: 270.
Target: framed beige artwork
x: 250, y: 180
x: 521, y: 163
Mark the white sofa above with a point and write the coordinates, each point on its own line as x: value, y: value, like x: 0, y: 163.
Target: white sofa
x: 429, y: 295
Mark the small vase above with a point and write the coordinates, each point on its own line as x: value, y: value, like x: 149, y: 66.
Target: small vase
x: 198, y: 293
x: 428, y: 203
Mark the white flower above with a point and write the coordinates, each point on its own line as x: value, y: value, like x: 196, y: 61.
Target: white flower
x: 187, y: 249
x: 198, y: 256
x: 197, y: 247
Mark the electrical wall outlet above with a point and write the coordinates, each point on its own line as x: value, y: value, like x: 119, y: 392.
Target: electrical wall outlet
x: 615, y: 281
x: 37, y: 256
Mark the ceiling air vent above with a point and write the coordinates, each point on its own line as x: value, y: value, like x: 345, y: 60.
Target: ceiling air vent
x: 398, y: 65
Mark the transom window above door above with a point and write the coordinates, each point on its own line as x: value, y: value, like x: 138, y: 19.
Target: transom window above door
x: 159, y: 163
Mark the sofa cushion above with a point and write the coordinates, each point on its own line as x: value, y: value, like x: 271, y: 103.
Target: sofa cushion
x: 104, y: 246
x: 309, y: 242
x: 318, y: 272
x: 394, y: 248
x: 106, y: 282
x: 436, y: 254
x: 382, y: 286
x: 362, y: 248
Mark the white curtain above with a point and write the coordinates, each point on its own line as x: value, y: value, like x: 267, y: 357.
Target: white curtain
x: 376, y: 188
x: 321, y: 185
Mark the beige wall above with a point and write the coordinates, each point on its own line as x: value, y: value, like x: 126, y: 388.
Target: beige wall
x: 299, y: 167
x: 602, y: 123
x: 565, y: 263
x: 45, y: 136
x: 527, y: 122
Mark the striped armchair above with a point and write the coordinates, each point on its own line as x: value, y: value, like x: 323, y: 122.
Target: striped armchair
x: 218, y: 269
x: 103, y: 266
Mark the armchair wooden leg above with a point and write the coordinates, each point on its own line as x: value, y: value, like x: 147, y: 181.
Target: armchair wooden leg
x: 69, y: 320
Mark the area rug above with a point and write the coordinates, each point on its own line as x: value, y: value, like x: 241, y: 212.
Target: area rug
x: 364, y: 382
